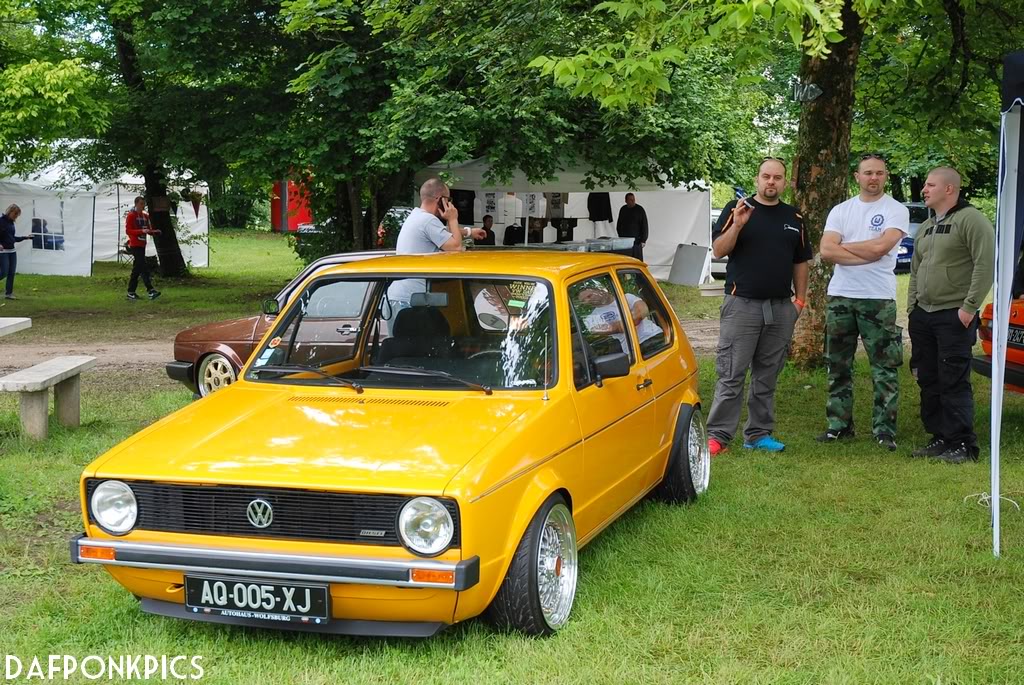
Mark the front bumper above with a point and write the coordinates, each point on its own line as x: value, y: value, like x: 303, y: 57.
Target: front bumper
x: 1014, y: 373
x: 306, y: 568
x: 183, y: 372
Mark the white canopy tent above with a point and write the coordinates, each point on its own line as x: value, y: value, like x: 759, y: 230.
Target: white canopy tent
x: 74, y: 225
x: 676, y: 216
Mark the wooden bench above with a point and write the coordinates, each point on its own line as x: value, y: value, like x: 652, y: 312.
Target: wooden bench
x: 34, y: 383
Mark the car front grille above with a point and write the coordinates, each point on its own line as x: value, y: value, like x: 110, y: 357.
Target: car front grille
x: 297, y: 514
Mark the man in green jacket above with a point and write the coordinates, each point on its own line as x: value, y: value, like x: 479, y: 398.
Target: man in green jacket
x: 950, y: 275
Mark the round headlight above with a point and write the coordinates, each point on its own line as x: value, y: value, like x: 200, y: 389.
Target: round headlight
x: 425, y: 526
x: 114, y: 507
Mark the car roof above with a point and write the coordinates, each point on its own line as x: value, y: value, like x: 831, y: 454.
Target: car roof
x: 553, y: 264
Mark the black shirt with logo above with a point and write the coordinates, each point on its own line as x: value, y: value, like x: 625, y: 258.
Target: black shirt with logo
x: 772, y: 241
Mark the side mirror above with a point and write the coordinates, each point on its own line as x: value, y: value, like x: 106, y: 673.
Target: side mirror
x: 271, y: 307
x: 611, y: 366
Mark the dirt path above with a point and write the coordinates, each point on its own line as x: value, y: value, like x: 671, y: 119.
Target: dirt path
x: 703, y: 335
x: 109, y: 355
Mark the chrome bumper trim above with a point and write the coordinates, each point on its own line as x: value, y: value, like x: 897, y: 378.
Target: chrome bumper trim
x: 309, y: 568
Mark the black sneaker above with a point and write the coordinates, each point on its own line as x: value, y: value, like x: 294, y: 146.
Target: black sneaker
x: 153, y: 294
x: 887, y: 441
x: 132, y: 296
x: 834, y: 435
x: 958, y: 454
x: 933, y: 449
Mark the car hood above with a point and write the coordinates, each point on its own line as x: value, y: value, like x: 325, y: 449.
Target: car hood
x: 231, y: 329
x: 319, y: 438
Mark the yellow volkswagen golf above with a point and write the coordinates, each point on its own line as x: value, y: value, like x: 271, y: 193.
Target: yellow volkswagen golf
x: 417, y: 440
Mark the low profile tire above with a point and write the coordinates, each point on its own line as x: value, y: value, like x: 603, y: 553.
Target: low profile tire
x: 689, y: 464
x: 537, y: 594
x: 215, y: 372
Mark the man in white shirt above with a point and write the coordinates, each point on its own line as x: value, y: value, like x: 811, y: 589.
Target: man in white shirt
x: 424, y: 233
x: 606, y: 319
x: 861, y: 237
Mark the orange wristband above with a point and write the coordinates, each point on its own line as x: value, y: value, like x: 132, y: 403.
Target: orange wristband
x: 799, y: 302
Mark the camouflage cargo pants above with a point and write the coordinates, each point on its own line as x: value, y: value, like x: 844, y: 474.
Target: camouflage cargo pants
x: 874, y: 321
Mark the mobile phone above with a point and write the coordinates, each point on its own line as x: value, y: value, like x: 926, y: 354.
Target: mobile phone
x: 747, y: 202
x: 441, y: 203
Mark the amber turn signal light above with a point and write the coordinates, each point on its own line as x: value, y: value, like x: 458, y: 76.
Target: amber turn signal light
x: 425, y: 575
x: 101, y: 553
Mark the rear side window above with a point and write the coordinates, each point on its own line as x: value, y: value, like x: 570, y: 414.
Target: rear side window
x: 651, y: 319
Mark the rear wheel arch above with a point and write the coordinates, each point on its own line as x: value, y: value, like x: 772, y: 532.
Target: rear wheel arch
x: 687, y: 470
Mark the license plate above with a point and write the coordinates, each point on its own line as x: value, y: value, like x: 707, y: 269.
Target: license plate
x: 257, y: 599
x: 1016, y: 336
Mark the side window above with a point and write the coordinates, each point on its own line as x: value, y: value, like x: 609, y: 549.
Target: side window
x: 339, y: 300
x: 652, y: 321
x: 599, y: 312
x: 327, y: 328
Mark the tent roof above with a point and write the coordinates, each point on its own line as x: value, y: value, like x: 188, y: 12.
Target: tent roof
x: 472, y: 174
x: 53, y: 179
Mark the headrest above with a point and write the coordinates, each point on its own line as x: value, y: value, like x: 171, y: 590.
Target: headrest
x: 420, y: 322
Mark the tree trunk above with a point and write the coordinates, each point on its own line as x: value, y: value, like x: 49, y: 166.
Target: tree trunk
x: 916, y: 186
x: 355, y: 208
x: 168, y: 251
x: 823, y: 170
x: 896, y: 188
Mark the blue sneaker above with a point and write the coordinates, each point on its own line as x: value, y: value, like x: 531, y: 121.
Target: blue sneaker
x: 767, y: 443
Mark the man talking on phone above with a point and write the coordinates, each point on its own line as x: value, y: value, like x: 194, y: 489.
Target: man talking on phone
x: 768, y: 253
x: 431, y: 227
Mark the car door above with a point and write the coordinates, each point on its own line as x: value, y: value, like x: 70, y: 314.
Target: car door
x: 659, y: 347
x: 616, y: 414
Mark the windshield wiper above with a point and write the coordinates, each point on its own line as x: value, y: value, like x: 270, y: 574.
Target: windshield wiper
x: 291, y: 368
x: 416, y: 371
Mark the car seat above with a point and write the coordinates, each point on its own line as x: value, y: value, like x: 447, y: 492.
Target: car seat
x: 418, y: 332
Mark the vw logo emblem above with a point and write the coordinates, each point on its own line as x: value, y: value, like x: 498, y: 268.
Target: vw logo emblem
x: 260, y: 513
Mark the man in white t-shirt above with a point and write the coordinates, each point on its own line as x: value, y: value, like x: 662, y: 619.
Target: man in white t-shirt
x: 861, y: 237
x: 424, y: 233
x: 606, y: 319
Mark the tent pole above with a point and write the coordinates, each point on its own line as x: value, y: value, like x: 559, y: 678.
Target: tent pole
x: 1006, y: 259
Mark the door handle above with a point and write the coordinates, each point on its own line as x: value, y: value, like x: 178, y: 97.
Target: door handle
x: 348, y: 329
x: 646, y: 384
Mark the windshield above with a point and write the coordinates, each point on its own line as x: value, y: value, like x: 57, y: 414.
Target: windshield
x: 470, y: 333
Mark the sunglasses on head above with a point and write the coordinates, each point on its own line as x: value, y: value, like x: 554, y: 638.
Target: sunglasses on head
x: 773, y: 159
x: 871, y: 155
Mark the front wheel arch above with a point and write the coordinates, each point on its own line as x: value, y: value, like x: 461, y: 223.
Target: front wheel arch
x: 538, y: 590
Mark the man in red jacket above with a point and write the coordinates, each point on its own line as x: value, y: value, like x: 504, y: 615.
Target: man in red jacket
x: 137, y: 227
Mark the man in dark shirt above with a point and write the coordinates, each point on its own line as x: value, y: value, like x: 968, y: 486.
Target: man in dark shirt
x: 768, y: 253
x: 488, y: 239
x: 632, y: 223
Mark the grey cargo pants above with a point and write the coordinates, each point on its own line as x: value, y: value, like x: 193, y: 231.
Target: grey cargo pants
x: 755, y: 335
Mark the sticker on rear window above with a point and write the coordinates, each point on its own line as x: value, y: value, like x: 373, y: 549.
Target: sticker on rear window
x: 521, y: 290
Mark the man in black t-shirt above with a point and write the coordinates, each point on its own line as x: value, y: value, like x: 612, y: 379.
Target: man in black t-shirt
x: 768, y: 253
x: 632, y: 223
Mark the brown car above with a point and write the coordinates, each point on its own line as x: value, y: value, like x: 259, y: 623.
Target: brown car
x: 209, y: 357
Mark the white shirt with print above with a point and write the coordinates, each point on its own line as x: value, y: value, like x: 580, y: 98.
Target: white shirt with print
x: 856, y: 220
x: 609, y: 313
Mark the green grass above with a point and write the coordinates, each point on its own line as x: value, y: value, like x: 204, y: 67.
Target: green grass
x: 846, y: 565
x: 247, y: 267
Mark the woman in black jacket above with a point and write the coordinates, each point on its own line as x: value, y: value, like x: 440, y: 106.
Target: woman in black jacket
x: 8, y: 256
